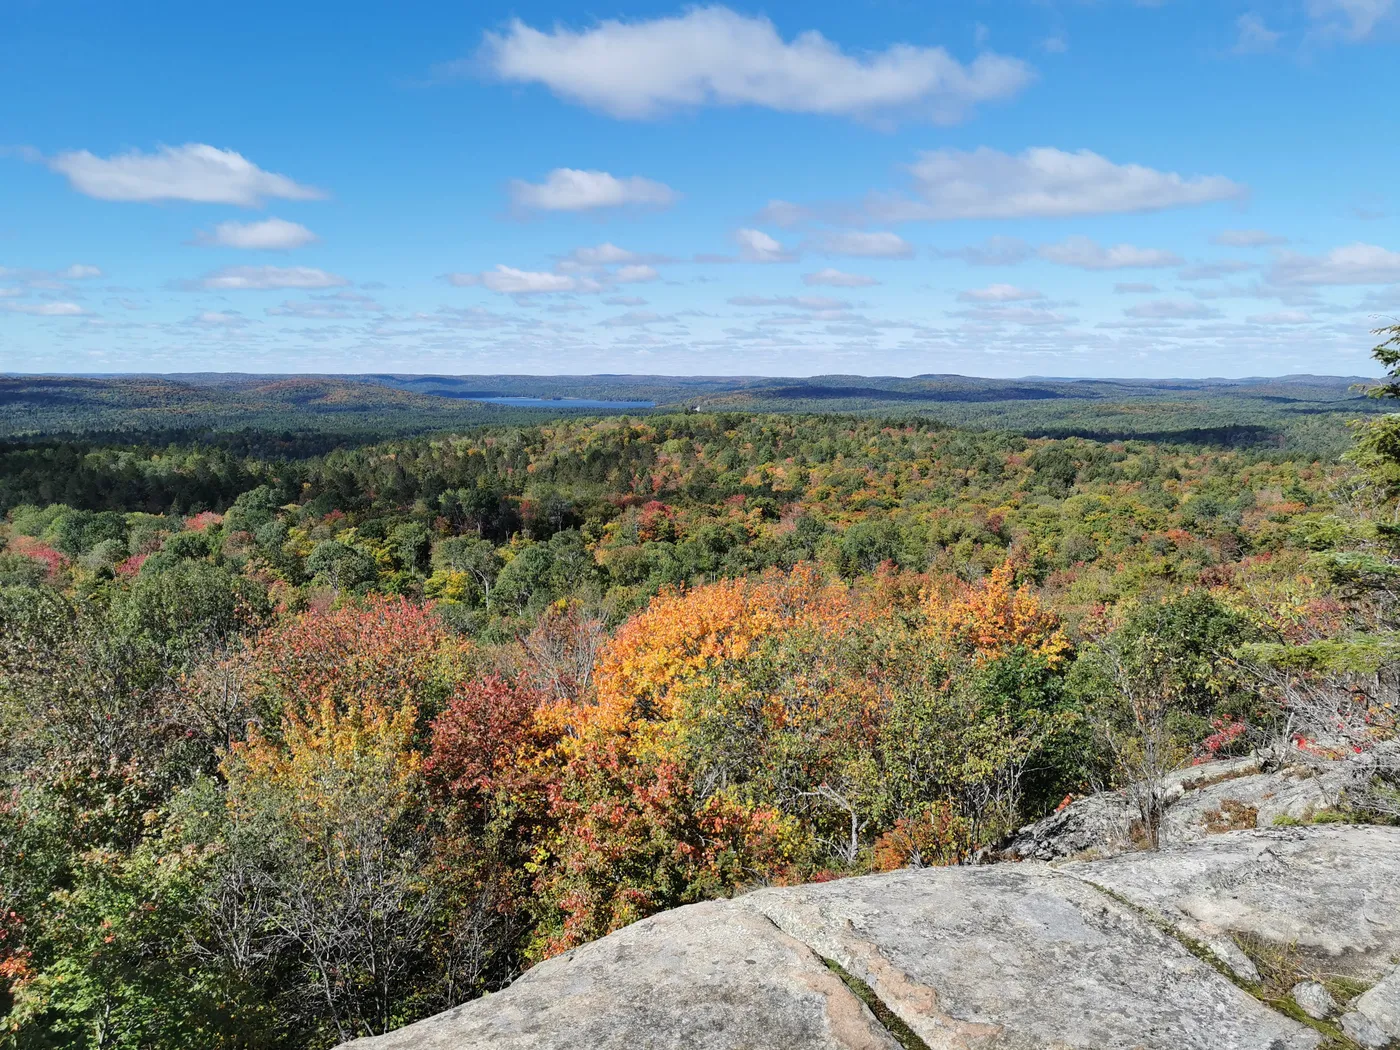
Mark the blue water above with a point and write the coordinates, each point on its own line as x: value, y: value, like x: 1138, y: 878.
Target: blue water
x: 563, y: 402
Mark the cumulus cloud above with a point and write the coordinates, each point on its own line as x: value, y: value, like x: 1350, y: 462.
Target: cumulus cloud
x: 994, y: 251
x: 757, y: 246
x: 1170, y: 310
x: 838, y: 279
x: 262, y: 278
x: 569, y: 189
x: 1088, y: 254
x: 879, y: 245
x: 1247, y: 239
x: 1042, y: 182
x: 795, y: 302
x: 999, y: 293
x: 635, y: 274
x: 1351, y: 264
x: 193, y: 172
x: 714, y: 56
x: 264, y: 235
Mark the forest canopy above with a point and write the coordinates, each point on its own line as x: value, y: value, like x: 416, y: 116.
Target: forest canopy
x: 304, y: 740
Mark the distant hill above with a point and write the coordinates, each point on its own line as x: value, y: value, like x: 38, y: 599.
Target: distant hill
x: 1295, y: 410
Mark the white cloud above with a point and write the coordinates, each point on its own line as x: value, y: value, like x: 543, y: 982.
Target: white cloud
x: 219, y: 319
x: 1247, y: 238
x: 1090, y: 255
x: 261, y: 278
x: 78, y: 272
x: 879, y: 245
x: 1350, y: 19
x: 265, y: 235
x: 46, y: 309
x: 1040, y: 183
x: 569, y: 189
x: 1280, y: 318
x: 796, y: 302
x: 837, y: 279
x: 999, y: 293
x: 609, y: 254
x: 994, y: 251
x: 1254, y: 35
x: 194, y: 172
x: 715, y: 56
x: 1135, y: 288
x: 635, y: 274
x: 757, y: 246
x: 509, y: 281
x: 625, y: 300
x: 1170, y: 310
x: 1351, y: 264
x: 1027, y: 316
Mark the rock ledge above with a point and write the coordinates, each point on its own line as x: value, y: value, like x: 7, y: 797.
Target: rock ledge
x: 1103, y: 954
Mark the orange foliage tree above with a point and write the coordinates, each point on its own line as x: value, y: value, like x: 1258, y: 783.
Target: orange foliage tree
x: 993, y: 616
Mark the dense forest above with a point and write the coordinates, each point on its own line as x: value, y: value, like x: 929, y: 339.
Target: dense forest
x: 304, y: 738
x: 1299, y: 413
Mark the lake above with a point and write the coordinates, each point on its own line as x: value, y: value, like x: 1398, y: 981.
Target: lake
x: 563, y: 402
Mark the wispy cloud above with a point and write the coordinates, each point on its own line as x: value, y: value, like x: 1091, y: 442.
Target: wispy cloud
x: 262, y: 278
x: 1351, y: 264
x: 193, y: 172
x: 838, y: 279
x: 1040, y: 183
x: 1087, y: 254
x: 999, y: 293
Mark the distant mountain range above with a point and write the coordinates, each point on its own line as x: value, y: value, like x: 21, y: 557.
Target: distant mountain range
x: 1291, y: 409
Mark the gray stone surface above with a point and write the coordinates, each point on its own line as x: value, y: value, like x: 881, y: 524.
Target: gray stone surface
x: 1080, y: 955
x: 1381, y: 1005
x: 702, y: 977
x: 1018, y: 956
x: 1296, y: 788
x: 1314, y: 999
x: 1330, y: 890
x: 1362, y: 1029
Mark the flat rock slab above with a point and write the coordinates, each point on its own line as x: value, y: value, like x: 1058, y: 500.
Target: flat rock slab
x: 1331, y: 891
x: 705, y: 977
x: 1021, y: 957
x: 1005, y: 957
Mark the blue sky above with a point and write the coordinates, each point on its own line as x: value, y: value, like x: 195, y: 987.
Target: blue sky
x: 999, y: 188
